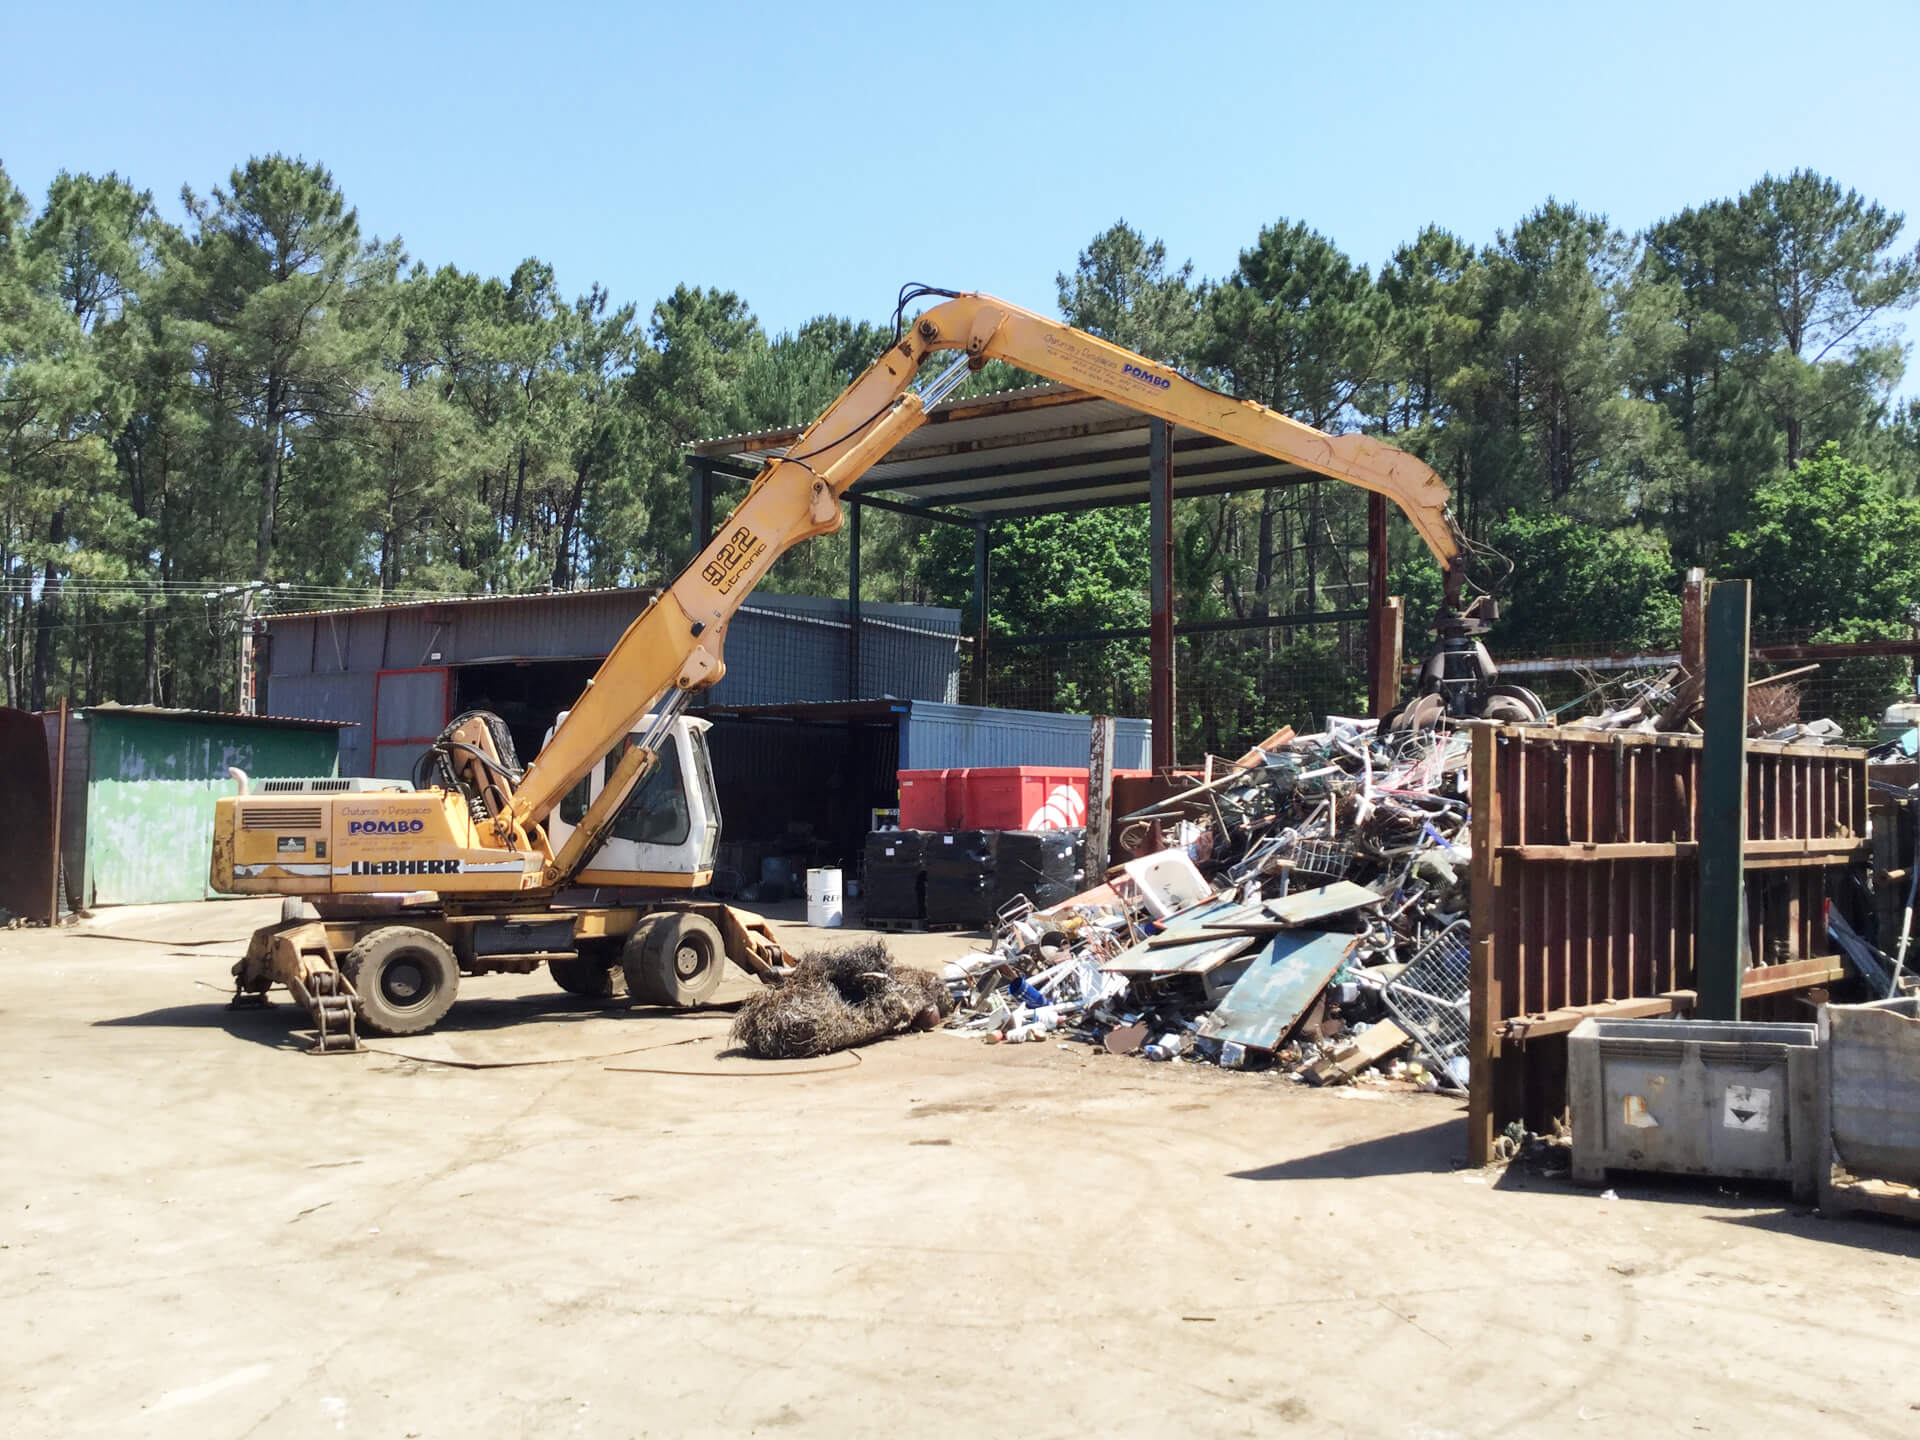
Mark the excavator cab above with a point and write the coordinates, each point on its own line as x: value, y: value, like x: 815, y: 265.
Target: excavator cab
x: 667, y: 835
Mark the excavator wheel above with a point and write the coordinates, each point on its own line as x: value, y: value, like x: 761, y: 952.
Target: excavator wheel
x: 674, y: 959
x: 407, y: 979
x: 594, y: 972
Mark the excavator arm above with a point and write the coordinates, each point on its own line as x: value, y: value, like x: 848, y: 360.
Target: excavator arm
x: 675, y: 647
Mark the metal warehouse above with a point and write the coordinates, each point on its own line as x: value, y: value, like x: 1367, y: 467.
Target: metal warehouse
x: 804, y: 781
x: 402, y: 671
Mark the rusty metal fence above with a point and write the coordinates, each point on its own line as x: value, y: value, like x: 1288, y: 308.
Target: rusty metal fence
x: 1585, y: 891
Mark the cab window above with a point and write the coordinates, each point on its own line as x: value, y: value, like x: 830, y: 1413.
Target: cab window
x: 656, y: 814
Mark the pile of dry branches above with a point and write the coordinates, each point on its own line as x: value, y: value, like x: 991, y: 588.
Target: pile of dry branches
x: 836, y: 999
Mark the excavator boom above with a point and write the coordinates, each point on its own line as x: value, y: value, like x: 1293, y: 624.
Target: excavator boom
x: 677, y: 644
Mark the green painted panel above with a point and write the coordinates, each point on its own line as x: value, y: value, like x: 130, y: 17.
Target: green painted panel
x: 150, y: 792
x: 139, y: 747
x: 150, y: 841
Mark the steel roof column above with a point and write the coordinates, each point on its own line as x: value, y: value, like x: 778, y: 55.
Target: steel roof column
x: 854, y: 692
x: 701, y: 470
x: 981, y: 579
x: 1160, y: 658
x: 1383, y: 616
x: 1720, y: 923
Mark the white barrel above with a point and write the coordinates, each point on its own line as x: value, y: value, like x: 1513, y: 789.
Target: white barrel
x: 823, y: 899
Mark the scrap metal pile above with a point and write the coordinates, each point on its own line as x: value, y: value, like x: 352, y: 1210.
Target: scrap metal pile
x: 1309, y: 914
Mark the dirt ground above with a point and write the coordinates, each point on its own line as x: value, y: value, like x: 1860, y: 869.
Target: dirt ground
x: 206, y: 1233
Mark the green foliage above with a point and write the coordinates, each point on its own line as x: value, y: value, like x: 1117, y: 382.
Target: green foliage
x: 1297, y: 326
x: 1576, y: 584
x: 270, y: 393
x: 1123, y: 290
x: 1050, y: 574
x: 1828, y: 545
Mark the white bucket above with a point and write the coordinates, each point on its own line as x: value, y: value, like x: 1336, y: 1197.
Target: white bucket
x: 823, y: 899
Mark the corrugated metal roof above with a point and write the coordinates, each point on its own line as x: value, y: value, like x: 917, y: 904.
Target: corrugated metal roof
x: 225, y: 717
x: 1034, y: 451
x: 442, y: 601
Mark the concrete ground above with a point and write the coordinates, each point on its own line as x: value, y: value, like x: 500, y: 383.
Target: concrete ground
x: 206, y: 1233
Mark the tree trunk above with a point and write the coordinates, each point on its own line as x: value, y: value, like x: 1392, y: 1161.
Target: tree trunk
x: 1263, y: 557
x: 270, y: 477
x: 49, y: 612
x: 1312, y: 538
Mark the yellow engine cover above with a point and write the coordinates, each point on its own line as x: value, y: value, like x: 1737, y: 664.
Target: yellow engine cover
x: 355, y: 844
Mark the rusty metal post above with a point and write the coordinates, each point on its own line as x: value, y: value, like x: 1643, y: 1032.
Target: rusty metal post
x: 1383, y: 682
x: 982, y: 582
x: 59, y: 804
x: 1387, y: 625
x: 1099, y: 799
x: 1721, y: 924
x: 1693, y: 623
x: 854, y: 691
x: 1483, y: 992
x: 1160, y: 656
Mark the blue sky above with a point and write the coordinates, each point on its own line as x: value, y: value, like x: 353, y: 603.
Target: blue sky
x: 813, y: 158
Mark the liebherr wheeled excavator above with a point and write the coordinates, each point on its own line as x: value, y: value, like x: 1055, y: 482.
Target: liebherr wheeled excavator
x: 395, y: 892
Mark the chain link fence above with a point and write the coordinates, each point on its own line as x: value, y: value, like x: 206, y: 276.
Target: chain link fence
x: 1851, y: 689
x: 1232, y: 688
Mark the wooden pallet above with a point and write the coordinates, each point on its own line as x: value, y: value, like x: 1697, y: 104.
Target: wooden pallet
x: 1845, y: 1195
x: 892, y: 926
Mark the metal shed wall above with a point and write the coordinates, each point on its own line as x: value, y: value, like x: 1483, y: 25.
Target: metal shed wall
x: 150, y: 786
x: 945, y: 737
x: 781, y: 649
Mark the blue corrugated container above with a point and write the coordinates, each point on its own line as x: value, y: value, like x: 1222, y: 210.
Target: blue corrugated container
x: 935, y: 736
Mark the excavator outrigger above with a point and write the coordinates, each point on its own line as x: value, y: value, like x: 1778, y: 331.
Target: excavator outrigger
x: 479, y: 833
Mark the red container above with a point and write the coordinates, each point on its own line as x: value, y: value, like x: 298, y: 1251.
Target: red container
x: 1014, y: 797
x: 923, y: 800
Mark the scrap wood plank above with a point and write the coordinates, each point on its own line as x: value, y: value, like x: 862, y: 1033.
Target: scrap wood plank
x: 1303, y: 907
x: 1280, y: 985
x: 1369, y: 1047
x: 1522, y: 1028
x: 1792, y: 975
x: 1169, y: 953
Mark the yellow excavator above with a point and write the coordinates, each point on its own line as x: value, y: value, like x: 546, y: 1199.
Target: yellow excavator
x: 396, y: 890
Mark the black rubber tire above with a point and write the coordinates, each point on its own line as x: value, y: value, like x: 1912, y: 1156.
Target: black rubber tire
x: 1534, y: 707
x: 1507, y: 710
x: 676, y: 959
x: 587, y: 975
x: 407, y: 979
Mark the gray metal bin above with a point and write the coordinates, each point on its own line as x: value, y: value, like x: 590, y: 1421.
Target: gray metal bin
x: 1870, y: 1093
x: 1695, y: 1097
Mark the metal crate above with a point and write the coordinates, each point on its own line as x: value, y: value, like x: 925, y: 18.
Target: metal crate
x: 1694, y: 1097
x: 1429, y: 998
x: 1328, y: 859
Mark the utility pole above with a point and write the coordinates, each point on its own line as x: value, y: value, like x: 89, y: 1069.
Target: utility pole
x: 244, y: 690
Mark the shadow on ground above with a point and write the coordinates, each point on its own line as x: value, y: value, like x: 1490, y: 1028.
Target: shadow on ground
x: 283, y: 1025
x: 1882, y: 1233
x: 1436, y: 1149
x: 1750, y: 1204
